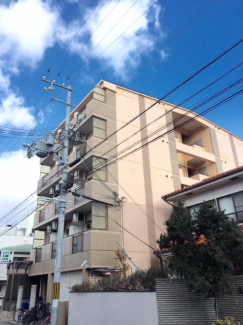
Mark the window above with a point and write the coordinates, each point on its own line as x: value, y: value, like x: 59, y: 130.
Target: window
x: 194, y: 209
x: 78, y: 243
x: 99, y: 216
x: 232, y: 205
x: 99, y: 128
x: 54, y: 250
x: 226, y: 204
x: 100, y: 174
x: 238, y: 201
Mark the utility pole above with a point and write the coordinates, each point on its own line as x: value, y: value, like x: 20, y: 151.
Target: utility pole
x: 62, y: 209
x: 43, y: 148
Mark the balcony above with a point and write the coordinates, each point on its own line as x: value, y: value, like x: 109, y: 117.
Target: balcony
x: 94, y: 214
x: 49, y: 180
x: 194, y: 152
x: 44, y: 217
x: 95, y: 246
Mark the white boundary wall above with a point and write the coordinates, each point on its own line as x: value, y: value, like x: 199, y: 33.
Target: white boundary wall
x: 113, y: 308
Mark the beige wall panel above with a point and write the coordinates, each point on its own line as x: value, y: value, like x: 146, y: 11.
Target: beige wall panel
x: 135, y: 220
x: 225, y: 148
x: 159, y: 154
x: 239, y: 150
x: 95, y: 106
x: 160, y: 216
x: 127, y: 108
x: 161, y: 185
x: 103, y: 259
x: 113, y: 215
x: 74, y: 261
x: 131, y: 179
x: 103, y: 240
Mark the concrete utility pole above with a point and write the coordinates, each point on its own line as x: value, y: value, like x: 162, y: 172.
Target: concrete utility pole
x: 62, y: 207
x: 43, y: 148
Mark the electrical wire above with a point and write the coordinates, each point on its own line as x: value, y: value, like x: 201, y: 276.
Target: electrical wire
x: 182, y: 83
x: 170, y: 92
x: 190, y: 20
x: 182, y: 124
x: 174, y: 107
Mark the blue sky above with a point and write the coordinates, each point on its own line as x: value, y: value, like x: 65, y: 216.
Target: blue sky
x: 38, y: 35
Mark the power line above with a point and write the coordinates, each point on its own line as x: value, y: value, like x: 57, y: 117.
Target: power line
x: 175, y: 106
x: 58, y: 57
x: 49, y: 180
x: 170, y: 92
x: 87, y: 39
x: 182, y: 124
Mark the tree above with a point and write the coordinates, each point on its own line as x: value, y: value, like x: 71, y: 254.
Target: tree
x: 206, y: 249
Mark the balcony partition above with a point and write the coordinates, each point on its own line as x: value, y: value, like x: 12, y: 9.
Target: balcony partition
x: 54, y: 250
x: 38, y: 254
x: 78, y: 243
x: 42, y: 216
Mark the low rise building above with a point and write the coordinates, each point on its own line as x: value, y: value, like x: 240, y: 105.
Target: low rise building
x: 224, y: 191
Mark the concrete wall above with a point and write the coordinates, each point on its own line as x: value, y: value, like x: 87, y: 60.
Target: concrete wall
x: 119, y: 308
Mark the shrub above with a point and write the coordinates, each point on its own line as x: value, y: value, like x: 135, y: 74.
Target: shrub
x: 117, y: 282
x: 226, y: 321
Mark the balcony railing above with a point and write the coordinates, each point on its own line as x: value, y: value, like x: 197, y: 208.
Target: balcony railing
x: 72, y: 244
x: 237, y: 216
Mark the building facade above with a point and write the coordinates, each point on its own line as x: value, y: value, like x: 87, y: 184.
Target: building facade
x: 224, y: 191
x: 185, y: 154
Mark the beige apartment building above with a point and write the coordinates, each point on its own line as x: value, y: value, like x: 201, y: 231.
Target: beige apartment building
x: 182, y: 157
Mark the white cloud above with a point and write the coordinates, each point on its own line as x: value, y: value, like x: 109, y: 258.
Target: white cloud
x: 19, y: 177
x: 14, y: 112
x: 27, y: 29
x: 138, y: 38
x: 41, y: 117
x: 4, y: 82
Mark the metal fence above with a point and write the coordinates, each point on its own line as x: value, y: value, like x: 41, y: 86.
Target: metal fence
x: 179, y: 306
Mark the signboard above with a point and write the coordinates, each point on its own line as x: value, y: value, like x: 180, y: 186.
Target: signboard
x: 6, y: 257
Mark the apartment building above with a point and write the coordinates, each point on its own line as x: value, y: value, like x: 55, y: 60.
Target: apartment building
x: 187, y: 153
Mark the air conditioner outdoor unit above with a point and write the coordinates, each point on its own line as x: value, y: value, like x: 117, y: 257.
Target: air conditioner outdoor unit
x: 54, y: 226
x: 48, y: 229
x: 57, y: 187
x: 78, y: 217
x: 59, y: 153
x: 52, y: 190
